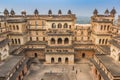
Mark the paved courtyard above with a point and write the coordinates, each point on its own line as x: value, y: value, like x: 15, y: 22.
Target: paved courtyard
x: 79, y: 71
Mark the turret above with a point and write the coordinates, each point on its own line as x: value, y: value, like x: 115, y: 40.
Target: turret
x: 106, y: 12
x: 50, y: 12
x: 113, y: 12
x: 69, y: 12
x: 36, y: 12
x: 59, y: 12
x: 12, y: 12
x: 6, y: 12
x: 23, y: 13
x: 95, y: 12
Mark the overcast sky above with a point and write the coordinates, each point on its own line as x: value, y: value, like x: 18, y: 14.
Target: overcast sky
x: 79, y: 7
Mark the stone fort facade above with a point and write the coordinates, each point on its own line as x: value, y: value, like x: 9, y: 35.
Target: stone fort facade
x: 57, y: 39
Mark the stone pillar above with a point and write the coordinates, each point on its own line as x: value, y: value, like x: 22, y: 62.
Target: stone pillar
x: 63, y: 60
x: 56, y: 41
x: 70, y: 41
x: 56, y: 59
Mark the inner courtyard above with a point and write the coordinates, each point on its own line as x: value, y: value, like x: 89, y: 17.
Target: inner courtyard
x: 79, y: 71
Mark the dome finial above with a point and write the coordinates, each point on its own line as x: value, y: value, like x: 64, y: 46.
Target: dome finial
x: 106, y: 12
x: 59, y: 12
x: 113, y: 12
x: 95, y: 12
x: 23, y: 12
x: 6, y: 12
x: 12, y: 12
x: 69, y: 12
x: 36, y: 12
x: 50, y: 12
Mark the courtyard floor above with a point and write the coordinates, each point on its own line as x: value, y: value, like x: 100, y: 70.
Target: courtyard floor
x: 79, y: 71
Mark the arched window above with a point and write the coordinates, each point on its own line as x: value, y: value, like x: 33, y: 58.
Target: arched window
x: 59, y: 25
x: 37, y: 39
x: 43, y: 38
x: 17, y: 27
x: 104, y: 27
x: 15, y: 41
x: 108, y: 27
x: 13, y: 27
x: 53, y: 25
x: 59, y: 60
x: 52, y: 41
x: 66, y: 60
x: 52, y: 60
x: 83, y: 55
x: 30, y: 38
x: 35, y: 54
x: 12, y: 41
x: 103, y: 41
x: 106, y: 41
x: 99, y: 41
x: 101, y: 27
x: 66, y: 41
x: 19, y: 41
x: 65, y: 25
x: 59, y: 41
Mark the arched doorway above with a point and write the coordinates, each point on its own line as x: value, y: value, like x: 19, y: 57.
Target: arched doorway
x: 59, y: 60
x: 66, y: 41
x: 99, y: 41
x: 83, y: 55
x: 59, y: 25
x: 103, y: 41
x: 52, y: 41
x: 36, y: 55
x: 66, y: 60
x: 52, y: 60
x: 53, y: 25
x: 59, y: 41
x: 65, y: 25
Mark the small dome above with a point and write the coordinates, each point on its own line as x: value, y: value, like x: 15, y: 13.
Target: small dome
x: 69, y: 12
x: 106, y: 11
x: 36, y: 12
x: 23, y: 12
x: 113, y: 11
x: 95, y: 11
x: 6, y: 11
x: 12, y: 12
x: 50, y: 12
x: 59, y: 12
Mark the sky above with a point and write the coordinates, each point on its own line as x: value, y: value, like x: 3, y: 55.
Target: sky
x: 78, y: 7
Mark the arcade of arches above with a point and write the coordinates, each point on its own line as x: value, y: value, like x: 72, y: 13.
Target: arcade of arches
x: 58, y: 58
x: 59, y: 25
x: 59, y: 41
